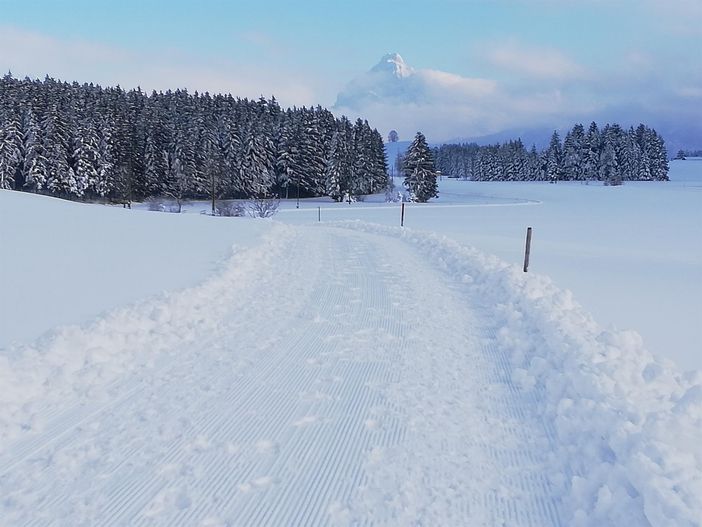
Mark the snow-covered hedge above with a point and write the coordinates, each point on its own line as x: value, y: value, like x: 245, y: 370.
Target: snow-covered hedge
x: 627, y: 426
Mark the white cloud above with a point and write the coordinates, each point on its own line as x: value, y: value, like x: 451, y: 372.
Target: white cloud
x: 33, y: 54
x: 446, y: 105
x: 455, y: 86
x: 535, y: 62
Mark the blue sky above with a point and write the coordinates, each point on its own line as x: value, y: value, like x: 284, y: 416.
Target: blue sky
x: 588, y: 54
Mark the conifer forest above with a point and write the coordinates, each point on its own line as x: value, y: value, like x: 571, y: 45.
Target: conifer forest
x: 610, y: 155
x: 82, y: 141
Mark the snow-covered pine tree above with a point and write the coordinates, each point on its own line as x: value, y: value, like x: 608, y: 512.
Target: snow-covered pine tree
x: 256, y: 164
x: 593, y: 146
x: 534, y: 167
x: 85, y: 156
x: 338, y: 167
x: 609, y: 162
x: 287, y: 167
x: 658, y: 157
x: 61, y: 179
x: 420, y: 172
x: 10, y: 148
x: 312, y: 162
x: 362, y: 174
x: 379, y: 163
x: 554, y: 159
x: 105, y: 160
x: 31, y: 147
x: 631, y: 157
x: 573, y: 162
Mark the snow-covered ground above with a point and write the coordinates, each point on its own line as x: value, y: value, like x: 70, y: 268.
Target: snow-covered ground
x: 632, y: 255
x: 352, y: 372
x: 65, y: 263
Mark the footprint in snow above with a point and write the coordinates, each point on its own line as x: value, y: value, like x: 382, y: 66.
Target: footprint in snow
x: 305, y: 421
x: 266, y: 446
x: 257, y: 484
x: 372, y: 424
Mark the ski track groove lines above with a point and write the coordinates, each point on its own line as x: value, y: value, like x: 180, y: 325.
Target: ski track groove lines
x: 347, y: 383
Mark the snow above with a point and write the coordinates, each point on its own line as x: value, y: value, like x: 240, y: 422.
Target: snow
x: 394, y: 64
x: 99, y: 258
x: 353, y: 372
x: 631, y: 255
x: 626, y: 429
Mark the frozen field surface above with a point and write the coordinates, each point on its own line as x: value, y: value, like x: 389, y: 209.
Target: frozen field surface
x: 206, y: 371
x: 314, y: 381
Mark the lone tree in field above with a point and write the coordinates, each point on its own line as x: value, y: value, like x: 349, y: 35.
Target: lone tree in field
x: 419, y: 169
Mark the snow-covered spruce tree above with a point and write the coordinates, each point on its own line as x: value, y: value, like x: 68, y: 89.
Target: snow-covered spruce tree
x: 338, y: 169
x: 10, y: 148
x: 311, y: 156
x: 105, y: 160
x: 593, y: 147
x: 534, y: 167
x: 85, y: 155
x: 287, y: 166
x: 573, y: 163
x: 554, y: 159
x: 658, y: 158
x: 362, y: 162
x: 609, y: 163
x: 379, y: 163
x: 257, y: 164
x: 420, y: 172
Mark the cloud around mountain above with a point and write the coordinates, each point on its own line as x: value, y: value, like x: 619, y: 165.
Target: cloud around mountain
x: 392, y: 81
x: 539, y: 89
x: 393, y: 94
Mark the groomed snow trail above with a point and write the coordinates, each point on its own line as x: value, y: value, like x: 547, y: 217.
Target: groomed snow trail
x: 342, y: 380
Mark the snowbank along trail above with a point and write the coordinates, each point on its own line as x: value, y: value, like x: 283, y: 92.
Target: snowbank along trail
x: 344, y: 375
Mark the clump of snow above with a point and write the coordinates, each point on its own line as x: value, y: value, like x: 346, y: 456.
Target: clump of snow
x: 627, y: 427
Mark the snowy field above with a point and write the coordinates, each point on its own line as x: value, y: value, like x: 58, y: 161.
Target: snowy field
x: 227, y: 371
x: 632, y: 255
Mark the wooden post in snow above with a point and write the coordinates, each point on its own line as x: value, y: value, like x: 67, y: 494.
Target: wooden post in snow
x: 319, y: 213
x: 402, y: 215
x: 528, y: 249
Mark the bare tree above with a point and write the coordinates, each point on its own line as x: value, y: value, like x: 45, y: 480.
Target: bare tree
x: 263, y: 207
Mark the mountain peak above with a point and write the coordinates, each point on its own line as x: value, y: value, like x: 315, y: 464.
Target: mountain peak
x: 393, y: 63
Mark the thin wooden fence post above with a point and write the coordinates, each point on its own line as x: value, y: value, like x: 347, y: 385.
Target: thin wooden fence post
x: 319, y: 213
x: 402, y: 215
x: 528, y: 249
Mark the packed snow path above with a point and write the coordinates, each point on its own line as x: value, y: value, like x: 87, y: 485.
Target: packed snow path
x: 330, y: 377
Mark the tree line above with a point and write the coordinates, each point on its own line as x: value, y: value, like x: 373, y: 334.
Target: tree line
x: 611, y: 155
x: 83, y: 141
